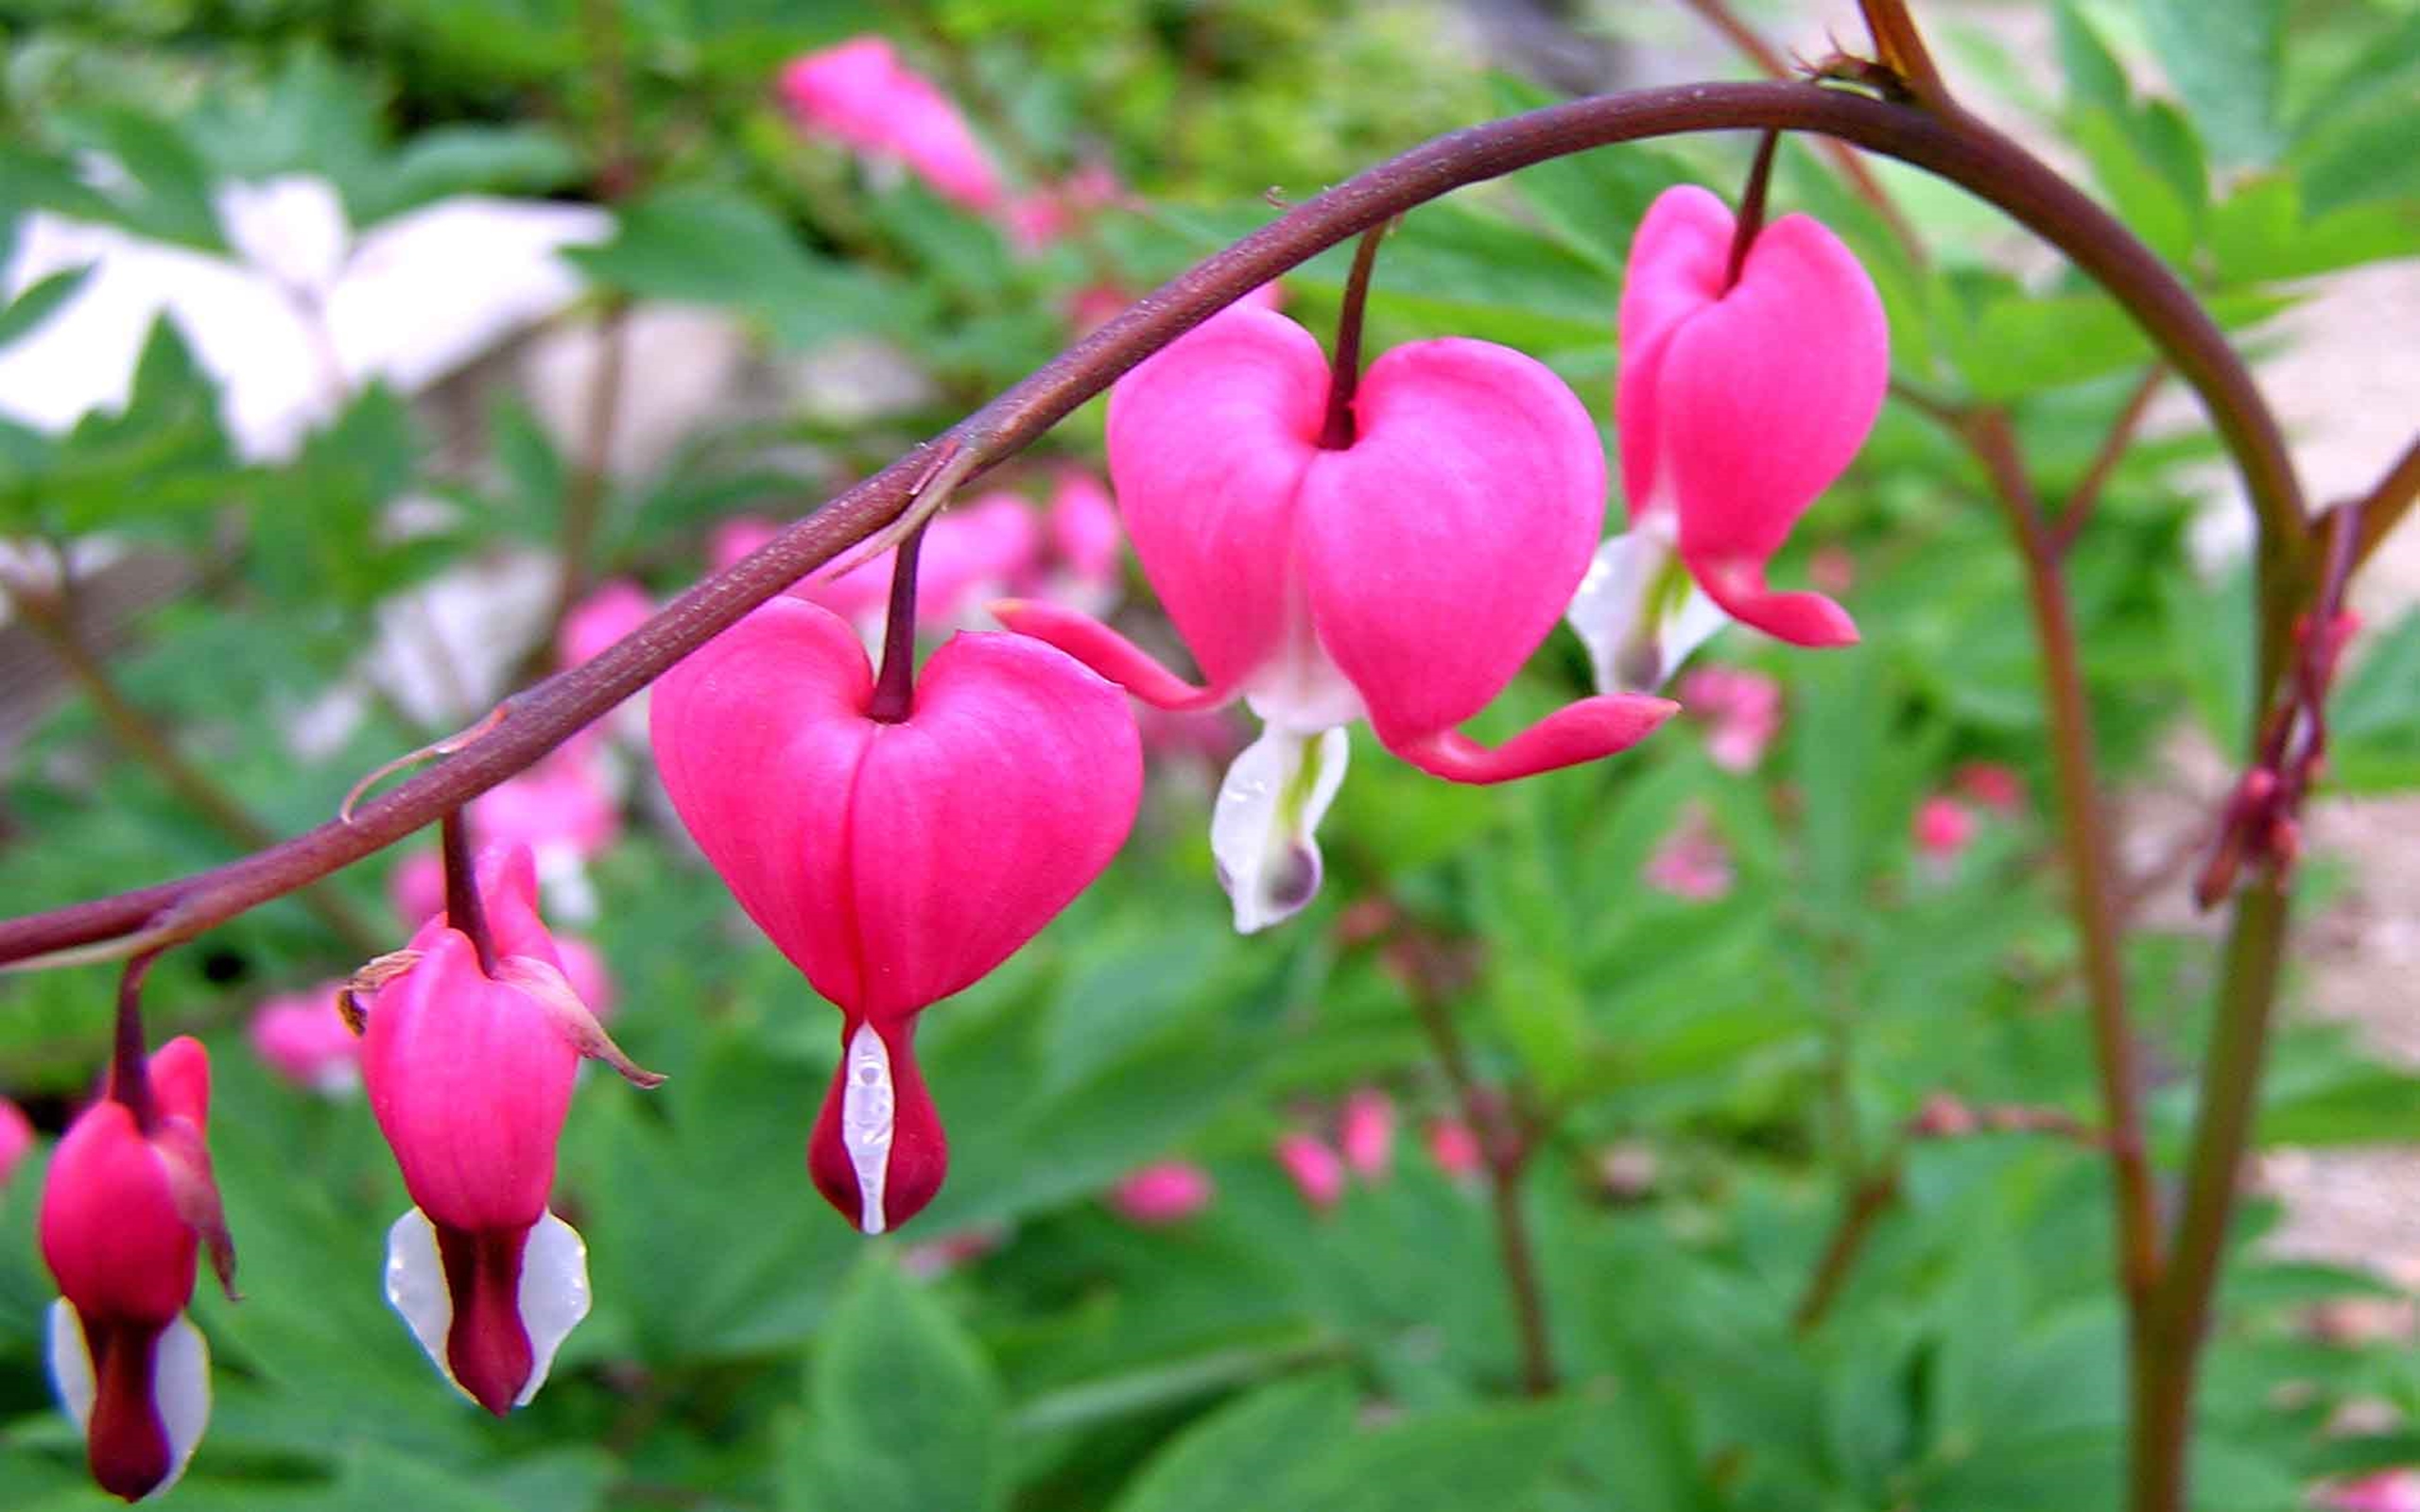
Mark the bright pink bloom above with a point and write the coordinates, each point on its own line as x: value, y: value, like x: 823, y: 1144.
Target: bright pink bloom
x: 305, y: 1039
x: 1692, y: 864
x: 1166, y: 1193
x: 1403, y: 577
x: 1454, y: 1148
x: 1084, y: 535
x: 613, y: 611
x: 125, y: 1213
x: 2396, y: 1490
x: 1744, y: 709
x: 469, y: 1072
x: 16, y: 1140
x: 861, y: 94
x: 1942, y: 827
x: 893, y: 864
x: 559, y: 804
x: 1317, y: 1170
x: 1366, y: 1132
x: 1738, y: 403
x: 1994, y: 784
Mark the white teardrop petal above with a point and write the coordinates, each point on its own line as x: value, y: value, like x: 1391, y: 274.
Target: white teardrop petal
x: 1262, y: 832
x: 869, y: 1118
x: 71, y: 1363
x: 554, y: 1295
x: 415, y: 1287
x: 181, y: 1392
x: 1639, y: 613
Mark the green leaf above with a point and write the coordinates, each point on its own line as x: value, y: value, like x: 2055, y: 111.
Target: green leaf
x: 28, y: 311
x: 712, y: 246
x: 2227, y: 59
x: 2145, y: 199
x: 907, y: 1414
x: 2260, y: 234
x: 1496, y: 1459
x: 2369, y: 1104
x: 454, y: 160
x: 1593, y: 200
x: 2374, y: 725
x: 2369, y: 157
x: 2095, y: 77
x: 1244, y: 1453
x: 167, y: 195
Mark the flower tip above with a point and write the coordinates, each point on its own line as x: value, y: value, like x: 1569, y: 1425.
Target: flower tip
x: 1801, y: 618
x: 1576, y: 733
x: 878, y: 1153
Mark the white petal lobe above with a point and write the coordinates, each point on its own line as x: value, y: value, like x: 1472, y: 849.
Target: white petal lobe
x: 1263, y: 831
x: 869, y: 1118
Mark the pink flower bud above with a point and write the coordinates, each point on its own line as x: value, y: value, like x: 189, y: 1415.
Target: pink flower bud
x: 2395, y: 1490
x: 127, y: 1209
x: 1742, y: 707
x: 1317, y: 1170
x: 16, y: 1140
x: 1942, y: 827
x: 603, y: 618
x: 1366, y: 1130
x: 859, y: 92
x: 1168, y: 1192
x: 1403, y: 577
x: 894, y: 863
x: 1995, y: 785
x: 305, y: 1040
x: 1454, y: 1148
x: 469, y: 1072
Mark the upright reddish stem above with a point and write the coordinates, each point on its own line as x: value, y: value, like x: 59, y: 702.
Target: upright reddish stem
x: 130, y: 1058
x: 1345, y: 374
x: 465, y: 911
x: 1751, y: 208
x: 894, y: 688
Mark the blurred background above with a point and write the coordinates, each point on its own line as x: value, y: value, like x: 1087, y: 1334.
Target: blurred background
x: 360, y: 363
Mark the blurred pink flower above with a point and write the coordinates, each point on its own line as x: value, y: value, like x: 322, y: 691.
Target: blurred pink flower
x: 603, y: 618
x: 2395, y: 1490
x: 1942, y: 827
x: 1832, y: 570
x: 1167, y: 1192
x: 1994, y: 784
x: 584, y: 968
x: 16, y: 1140
x: 928, y: 1258
x: 738, y: 537
x: 301, y: 1037
x: 1366, y: 1131
x: 417, y: 887
x: 558, y: 803
x: 863, y: 95
x: 1317, y: 1170
x: 1453, y: 1147
x: 1743, y: 708
x: 1692, y: 864
x: 1085, y: 540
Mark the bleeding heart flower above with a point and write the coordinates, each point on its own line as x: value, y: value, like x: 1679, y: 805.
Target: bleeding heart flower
x: 1742, y: 707
x: 1692, y: 864
x: 1996, y: 786
x: 1942, y: 827
x: 16, y: 1140
x: 469, y: 1065
x: 603, y: 618
x: 1317, y: 1170
x: 1403, y: 577
x: 894, y: 863
x: 1166, y: 1193
x: 126, y: 1212
x: 1366, y: 1132
x: 1738, y: 403
x: 860, y: 92
x: 1454, y: 1148
x: 303, y: 1039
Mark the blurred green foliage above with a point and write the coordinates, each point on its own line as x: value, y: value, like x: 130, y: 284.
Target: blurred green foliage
x: 1718, y: 1074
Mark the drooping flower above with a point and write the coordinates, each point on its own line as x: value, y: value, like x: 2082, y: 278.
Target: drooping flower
x: 1738, y: 403
x: 895, y: 862
x: 127, y: 1209
x: 861, y: 94
x: 607, y: 615
x: 469, y: 1064
x: 1315, y: 1168
x: 16, y: 1140
x: 1403, y: 577
x: 303, y: 1037
x: 1454, y: 1148
x: 1365, y: 1133
x: 1942, y: 827
x: 1168, y: 1192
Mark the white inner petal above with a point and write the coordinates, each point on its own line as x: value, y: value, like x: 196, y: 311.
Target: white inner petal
x: 1262, y: 832
x: 869, y: 1118
x: 71, y: 1363
x: 1298, y: 688
x: 553, y: 1295
x: 180, y: 1391
x: 1637, y: 610
x: 415, y: 1287
x: 180, y: 1383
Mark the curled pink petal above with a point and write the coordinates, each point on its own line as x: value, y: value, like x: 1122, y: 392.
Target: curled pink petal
x: 1108, y: 653
x: 1576, y: 733
x: 860, y: 92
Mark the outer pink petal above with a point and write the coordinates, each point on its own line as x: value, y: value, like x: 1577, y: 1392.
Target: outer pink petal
x: 758, y: 736
x: 1209, y: 443
x: 919, y: 1145
x: 1764, y: 396
x: 983, y: 815
x: 1677, y: 262
x: 978, y: 548
x: 1444, y: 544
x: 111, y: 1233
x: 1576, y: 732
x: 468, y: 1079
x: 1106, y: 652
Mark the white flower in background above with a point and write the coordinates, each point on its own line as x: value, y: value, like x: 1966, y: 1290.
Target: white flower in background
x: 303, y: 314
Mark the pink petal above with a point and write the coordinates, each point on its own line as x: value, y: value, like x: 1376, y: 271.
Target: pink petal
x: 1367, y: 1132
x: 971, y: 551
x: 1208, y: 444
x: 1084, y: 527
x: 16, y: 1139
x: 1677, y: 262
x: 1443, y: 545
x: 1317, y: 1170
x: 1166, y: 1193
x: 1576, y: 733
x: 112, y: 1232
x: 603, y: 618
x: 1108, y: 653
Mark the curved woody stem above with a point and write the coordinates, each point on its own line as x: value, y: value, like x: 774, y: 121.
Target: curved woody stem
x: 1952, y: 144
